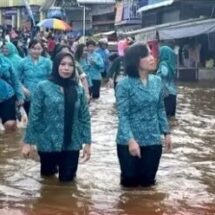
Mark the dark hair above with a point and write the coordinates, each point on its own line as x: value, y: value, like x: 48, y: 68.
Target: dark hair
x: 113, y: 56
x: 79, y: 51
x: 132, y: 58
x: 56, y: 63
x: 58, y: 48
x: 91, y: 42
x: 33, y: 43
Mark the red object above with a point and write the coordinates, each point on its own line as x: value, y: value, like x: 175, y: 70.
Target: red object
x: 51, y: 45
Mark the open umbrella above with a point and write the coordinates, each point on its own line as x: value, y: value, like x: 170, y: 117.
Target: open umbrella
x: 55, y: 24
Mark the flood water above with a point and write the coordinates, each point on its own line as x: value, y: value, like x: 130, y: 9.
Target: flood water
x: 185, y: 180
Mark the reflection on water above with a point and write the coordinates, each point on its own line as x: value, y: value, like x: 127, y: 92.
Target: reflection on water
x: 185, y: 180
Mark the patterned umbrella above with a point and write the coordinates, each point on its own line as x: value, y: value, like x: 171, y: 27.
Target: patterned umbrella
x: 55, y: 24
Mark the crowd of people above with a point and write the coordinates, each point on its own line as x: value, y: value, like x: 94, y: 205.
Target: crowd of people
x: 53, y: 84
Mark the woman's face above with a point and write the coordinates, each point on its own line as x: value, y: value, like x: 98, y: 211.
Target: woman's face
x: 147, y: 63
x: 36, y: 50
x: 66, y: 67
x: 91, y: 48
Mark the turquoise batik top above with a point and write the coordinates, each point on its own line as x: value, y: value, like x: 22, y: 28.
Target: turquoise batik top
x: 31, y: 73
x: 45, y: 128
x: 141, y: 111
x: 167, y: 70
x: 9, y: 82
x: 104, y: 53
x: 84, y: 65
x: 13, y: 55
x: 93, y: 69
x: 6, y: 91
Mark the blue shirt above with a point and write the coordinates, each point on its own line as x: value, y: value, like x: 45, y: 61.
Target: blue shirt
x: 104, y: 53
x: 93, y: 65
x: 141, y: 111
x: 31, y: 73
x: 45, y: 128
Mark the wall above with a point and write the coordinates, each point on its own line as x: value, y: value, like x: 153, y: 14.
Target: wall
x: 207, y: 74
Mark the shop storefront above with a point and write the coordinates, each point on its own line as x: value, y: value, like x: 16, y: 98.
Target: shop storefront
x: 193, y: 41
x: 18, y: 16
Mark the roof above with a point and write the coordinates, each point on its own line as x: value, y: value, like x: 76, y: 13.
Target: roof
x: 155, y: 5
x: 176, y: 30
x: 190, y: 29
x: 47, y: 4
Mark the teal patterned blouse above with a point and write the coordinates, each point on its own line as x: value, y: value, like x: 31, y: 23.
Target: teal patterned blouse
x: 95, y: 70
x: 167, y: 70
x: 168, y: 79
x: 45, y: 128
x: 141, y: 111
x: 9, y: 82
x: 31, y: 73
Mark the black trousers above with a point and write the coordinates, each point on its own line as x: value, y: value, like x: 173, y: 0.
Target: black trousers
x: 95, y: 89
x: 139, y: 171
x: 8, y: 110
x: 66, y: 163
x: 170, y: 105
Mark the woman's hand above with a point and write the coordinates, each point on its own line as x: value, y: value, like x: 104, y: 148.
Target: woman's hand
x: 168, y: 143
x: 26, y: 150
x: 86, y: 152
x: 134, y: 148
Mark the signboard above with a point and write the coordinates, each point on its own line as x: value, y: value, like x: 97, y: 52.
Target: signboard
x: 119, y: 12
x: 9, y: 12
x: 56, y: 12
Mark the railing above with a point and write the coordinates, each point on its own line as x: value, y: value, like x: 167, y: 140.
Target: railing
x: 130, y: 10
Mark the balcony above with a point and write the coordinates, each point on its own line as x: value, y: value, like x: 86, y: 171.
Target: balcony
x: 127, y: 13
x: 13, y: 3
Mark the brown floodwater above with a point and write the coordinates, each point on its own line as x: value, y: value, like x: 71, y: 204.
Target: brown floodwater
x: 185, y: 180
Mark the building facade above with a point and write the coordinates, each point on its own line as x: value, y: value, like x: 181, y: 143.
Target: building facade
x: 189, y: 27
x: 13, y: 13
x: 127, y: 16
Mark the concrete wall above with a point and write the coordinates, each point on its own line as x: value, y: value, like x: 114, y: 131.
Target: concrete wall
x: 206, y: 74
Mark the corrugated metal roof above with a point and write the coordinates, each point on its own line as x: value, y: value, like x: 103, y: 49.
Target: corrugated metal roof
x: 47, y: 4
x: 156, y: 5
x: 177, y: 30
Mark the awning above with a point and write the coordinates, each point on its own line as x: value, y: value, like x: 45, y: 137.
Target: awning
x: 108, y: 33
x: 188, y: 30
x: 175, y: 30
x: 47, y: 4
x: 155, y: 5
